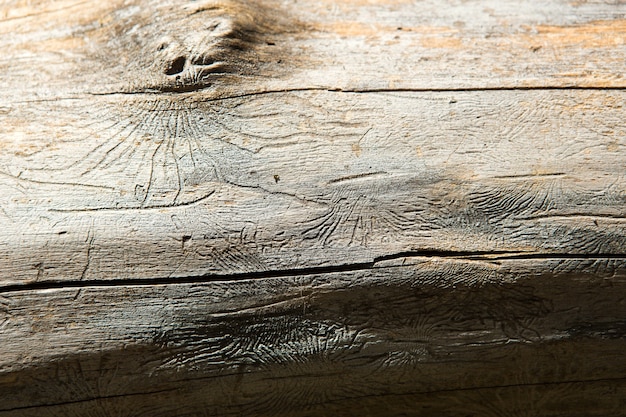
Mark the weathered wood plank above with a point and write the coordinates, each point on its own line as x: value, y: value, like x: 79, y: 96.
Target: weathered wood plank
x: 303, y: 179
x: 131, y: 45
x: 298, y: 179
x: 435, y: 336
x: 312, y: 208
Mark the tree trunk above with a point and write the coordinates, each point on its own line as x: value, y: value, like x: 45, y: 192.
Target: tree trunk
x: 281, y: 208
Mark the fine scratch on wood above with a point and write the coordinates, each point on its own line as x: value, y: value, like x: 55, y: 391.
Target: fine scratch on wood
x: 356, y: 176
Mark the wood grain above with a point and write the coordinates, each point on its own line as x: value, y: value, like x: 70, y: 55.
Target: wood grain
x: 433, y: 336
x: 312, y: 208
x: 517, y: 172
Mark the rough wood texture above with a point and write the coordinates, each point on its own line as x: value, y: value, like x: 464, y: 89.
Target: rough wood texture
x: 312, y: 208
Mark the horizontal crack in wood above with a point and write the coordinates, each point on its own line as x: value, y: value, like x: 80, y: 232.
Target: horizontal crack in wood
x: 361, y: 91
x: 317, y: 270
x: 432, y: 392
x: 105, y: 397
x: 480, y: 388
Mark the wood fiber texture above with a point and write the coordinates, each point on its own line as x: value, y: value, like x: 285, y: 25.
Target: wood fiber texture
x: 281, y: 208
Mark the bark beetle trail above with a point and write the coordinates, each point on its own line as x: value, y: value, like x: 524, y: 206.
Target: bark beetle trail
x: 199, y: 47
x: 426, y: 328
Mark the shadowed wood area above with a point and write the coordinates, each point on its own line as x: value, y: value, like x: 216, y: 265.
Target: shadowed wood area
x: 281, y: 208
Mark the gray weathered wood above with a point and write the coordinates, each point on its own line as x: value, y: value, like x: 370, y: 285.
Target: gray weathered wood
x: 312, y: 208
x: 425, y: 174
x: 434, y: 336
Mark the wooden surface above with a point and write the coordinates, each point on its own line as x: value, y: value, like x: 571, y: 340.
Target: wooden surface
x: 312, y: 208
